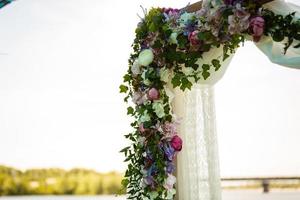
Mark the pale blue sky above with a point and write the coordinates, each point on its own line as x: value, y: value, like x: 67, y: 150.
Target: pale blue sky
x: 60, y: 66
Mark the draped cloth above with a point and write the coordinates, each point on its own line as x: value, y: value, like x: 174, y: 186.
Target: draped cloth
x: 198, y: 175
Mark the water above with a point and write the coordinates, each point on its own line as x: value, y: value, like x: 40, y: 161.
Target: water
x: 227, y: 195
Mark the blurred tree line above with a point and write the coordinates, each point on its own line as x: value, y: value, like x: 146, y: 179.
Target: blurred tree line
x: 58, y: 182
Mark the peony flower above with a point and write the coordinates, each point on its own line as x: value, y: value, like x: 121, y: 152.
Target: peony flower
x: 193, y: 38
x: 257, y: 26
x: 136, y: 68
x: 158, y: 109
x: 169, y: 182
x: 146, y: 57
x: 173, y: 38
x: 176, y: 143
x: 153, y: 94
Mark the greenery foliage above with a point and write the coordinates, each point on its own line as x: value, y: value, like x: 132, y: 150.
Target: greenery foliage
x: 58, y: 182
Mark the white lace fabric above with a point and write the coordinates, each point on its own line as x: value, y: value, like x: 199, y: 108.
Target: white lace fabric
x: 198, y: 175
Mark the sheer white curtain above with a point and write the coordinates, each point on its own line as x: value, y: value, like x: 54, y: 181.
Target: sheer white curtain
x: 198, y: 176
x: 198, y: 164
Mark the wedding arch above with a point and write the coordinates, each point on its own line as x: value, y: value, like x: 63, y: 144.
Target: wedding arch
x: 178, y: 56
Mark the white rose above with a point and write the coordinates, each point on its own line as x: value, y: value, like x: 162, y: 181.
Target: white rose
x: 158, y: 109
x: 146, y: 57
x: 136, y: 68
x: 164, y: 74
x: 173, y: 38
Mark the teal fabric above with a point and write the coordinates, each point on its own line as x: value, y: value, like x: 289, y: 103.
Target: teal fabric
x: 274, y: 50
x: 4, y: 3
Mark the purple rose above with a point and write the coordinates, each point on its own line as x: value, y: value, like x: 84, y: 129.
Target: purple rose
x: 153, y: 94
x: 176, y: 143
x: 193, y: 38
x: 257, y: 26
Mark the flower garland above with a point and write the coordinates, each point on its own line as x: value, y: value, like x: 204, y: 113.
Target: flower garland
x: 167, y: 46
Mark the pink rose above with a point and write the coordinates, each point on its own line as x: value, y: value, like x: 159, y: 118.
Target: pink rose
x: 176, y: 143
x: 257, y: 25
x: 153, y: 94
x: 193, y: 38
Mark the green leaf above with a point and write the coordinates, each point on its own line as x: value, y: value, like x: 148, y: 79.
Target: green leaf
x: 216, y: 64
x: 124, y: 150
x: 125, y: 183
x: 176, y: 80
x: 130, y: 111
x: 205, y: 74
x: 123, y: 88
x: 185, y: 84
x: 205, y: 67
x: 297, y: 46
x: 278, y: 36
x: 182, y: 40
x: 126, y: 78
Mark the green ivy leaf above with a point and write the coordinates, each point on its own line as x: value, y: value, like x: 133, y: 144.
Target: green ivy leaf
x: 125, y: 150
x: 205, y: 74
x: 176, y: 80
x: 297, y: 46
x: 123, y: 88
x: 216, y: 64
x: 126, y: 78
x: 278, y: 36
x: 130, y: 111
x: 185, y: 84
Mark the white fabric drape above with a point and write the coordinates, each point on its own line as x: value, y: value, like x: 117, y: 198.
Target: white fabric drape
x: 198, y: 173
x: 198, y: 163
x: 274, y: 50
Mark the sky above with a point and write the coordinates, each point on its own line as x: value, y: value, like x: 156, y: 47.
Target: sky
x: 61, y: 63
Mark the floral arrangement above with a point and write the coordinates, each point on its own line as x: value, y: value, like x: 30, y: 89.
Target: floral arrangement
x: 167, y: 46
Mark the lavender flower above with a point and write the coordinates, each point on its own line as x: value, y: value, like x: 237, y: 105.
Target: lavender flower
x: 239, y: 21
x: 170, y: 167
x: 169, y: 151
